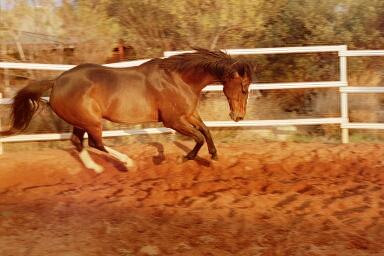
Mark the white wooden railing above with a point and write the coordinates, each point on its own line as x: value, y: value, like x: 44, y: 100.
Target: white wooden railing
x: 342, y: 84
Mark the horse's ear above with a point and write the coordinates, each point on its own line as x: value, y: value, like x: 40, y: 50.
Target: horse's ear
x: 236, y: 74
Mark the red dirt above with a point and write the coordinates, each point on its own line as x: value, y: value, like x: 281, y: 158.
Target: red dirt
x: 258, y: 199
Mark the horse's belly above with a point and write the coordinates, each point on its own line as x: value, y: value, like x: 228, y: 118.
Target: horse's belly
x: 131, y: 119
x: 132, y: 113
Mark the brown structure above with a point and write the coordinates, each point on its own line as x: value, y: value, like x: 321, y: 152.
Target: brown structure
x: 122, y: 52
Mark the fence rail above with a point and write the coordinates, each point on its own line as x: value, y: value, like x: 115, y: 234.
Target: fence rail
x: 342, y: 84
x: 361, y: 53
x: 64, y: 67
x: 362, y: 89
x: 284, y: 86
x: 279, y: 50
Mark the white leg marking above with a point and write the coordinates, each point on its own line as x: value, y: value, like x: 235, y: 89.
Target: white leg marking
x: 88, y: 162
x: 120, y: 156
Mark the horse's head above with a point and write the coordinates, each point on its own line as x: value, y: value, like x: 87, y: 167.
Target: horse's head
x: 204, y: 67
x: 236, y: 87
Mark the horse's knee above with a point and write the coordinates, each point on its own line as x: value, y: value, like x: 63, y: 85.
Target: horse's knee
x: 199, y: 138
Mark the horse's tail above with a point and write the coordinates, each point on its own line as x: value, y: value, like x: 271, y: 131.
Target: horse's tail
x: 25, y: 104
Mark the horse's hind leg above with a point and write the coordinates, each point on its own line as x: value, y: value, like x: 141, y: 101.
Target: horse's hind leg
x: 95, y: 141
x: 121, y: 157
x: 77, y: 139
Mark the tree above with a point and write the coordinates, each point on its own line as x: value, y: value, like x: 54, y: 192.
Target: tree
x: 155, y: 26
x: 42, y: 23
x: 24, y: 23
x: 87, y: 26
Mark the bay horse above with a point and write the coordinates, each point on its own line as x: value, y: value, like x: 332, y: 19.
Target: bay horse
x: 160, y: 90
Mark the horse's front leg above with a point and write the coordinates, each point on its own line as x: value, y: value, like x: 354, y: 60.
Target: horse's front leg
x: 183, y: 126
x: 199, y: 124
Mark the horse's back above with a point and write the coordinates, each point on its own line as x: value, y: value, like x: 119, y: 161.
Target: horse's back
x: 120, y: 95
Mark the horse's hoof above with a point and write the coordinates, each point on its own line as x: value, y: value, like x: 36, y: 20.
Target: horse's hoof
x: 182, y: 159
x: 189, y: 157
x: 98, y: 169
x: 215, y: 157
x: 129, y: 163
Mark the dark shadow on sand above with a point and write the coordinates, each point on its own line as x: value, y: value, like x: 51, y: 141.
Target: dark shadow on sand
x: 199, y: 160
x: 157, y: 160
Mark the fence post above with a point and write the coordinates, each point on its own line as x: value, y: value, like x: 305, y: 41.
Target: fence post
x: 1, y: 143
x: 344, y: 117
x: 344, y: 96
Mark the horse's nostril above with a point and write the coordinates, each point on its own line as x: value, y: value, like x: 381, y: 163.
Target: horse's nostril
x: 234, y: 117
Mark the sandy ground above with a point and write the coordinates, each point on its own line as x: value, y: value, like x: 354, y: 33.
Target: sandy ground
x: 258, y: 199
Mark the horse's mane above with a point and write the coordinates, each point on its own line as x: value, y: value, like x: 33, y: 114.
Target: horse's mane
x: 217, y: 63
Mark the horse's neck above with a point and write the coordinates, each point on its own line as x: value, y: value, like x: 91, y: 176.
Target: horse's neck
x: 198, y: 80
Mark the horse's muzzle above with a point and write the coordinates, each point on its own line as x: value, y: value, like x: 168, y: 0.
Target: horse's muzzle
x: 235, y: 117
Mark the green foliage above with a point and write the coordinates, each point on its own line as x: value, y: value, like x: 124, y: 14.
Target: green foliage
x: 90, y: 28
x: 83, y: 24
x: 153, y: 26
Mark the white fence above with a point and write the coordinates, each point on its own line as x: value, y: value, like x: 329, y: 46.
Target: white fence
x: 342, y: 84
